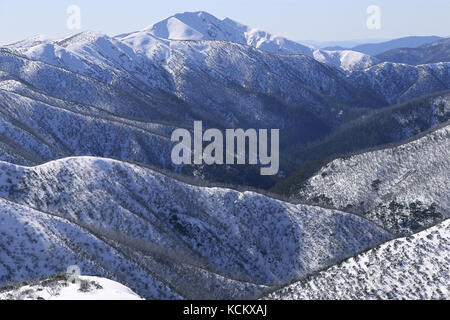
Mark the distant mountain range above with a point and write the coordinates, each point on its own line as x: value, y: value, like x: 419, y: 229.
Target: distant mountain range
x: 428, y: 53
x: 325, y: 45
x: 374, y: 49
x: 160, y: 236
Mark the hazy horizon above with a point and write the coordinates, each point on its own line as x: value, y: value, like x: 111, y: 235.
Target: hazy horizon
x: 321, y: 21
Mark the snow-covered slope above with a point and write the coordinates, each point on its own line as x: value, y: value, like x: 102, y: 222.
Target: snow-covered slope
x: 30, y: 42
x: 63, y: 287
x: 410, y: 268
x: 345, y: 59
x: 161, y: 237
x: 37, y: 244
x: 404, y: 188
x: 43, y: 119
x: 204, y: 26
x: 129, y: 118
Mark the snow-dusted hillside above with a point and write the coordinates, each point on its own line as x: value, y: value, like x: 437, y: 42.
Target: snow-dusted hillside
x: 151, y: 66
x: 161, y: 237
x: 410, y: 268
x: 345, y: 59
x: 37, y: 244
x: 63, y: 287
x: 404, y: 188
x: 396, y: 82
x: 43, y: 119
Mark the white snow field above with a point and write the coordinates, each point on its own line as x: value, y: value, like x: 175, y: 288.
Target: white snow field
x: 416, y: 267
x: 64, y: 288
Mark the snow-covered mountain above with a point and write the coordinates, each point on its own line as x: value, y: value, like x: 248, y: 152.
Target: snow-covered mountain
x: 410, y: 268
x: 204, y: 26
x: 162, y: 237
x: 396, y: 82
x: 404, y: 188
x: 63, y: 287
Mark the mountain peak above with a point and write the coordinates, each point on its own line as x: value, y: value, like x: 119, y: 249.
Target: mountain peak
x: 198, y: 25
x: 204, y: 26
x: 190, y: 17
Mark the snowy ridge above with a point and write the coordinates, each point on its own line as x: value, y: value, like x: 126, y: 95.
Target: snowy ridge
x: 204, y: 26
x: 345, y: 59
x: 37, y: 244
x: 410, y: 268
x: 397, y: 82
x: 107, y: 216
x: 30, y: 42
x: 404, y: 188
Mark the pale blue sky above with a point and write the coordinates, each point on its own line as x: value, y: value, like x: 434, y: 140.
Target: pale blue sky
x: 296, y: 19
